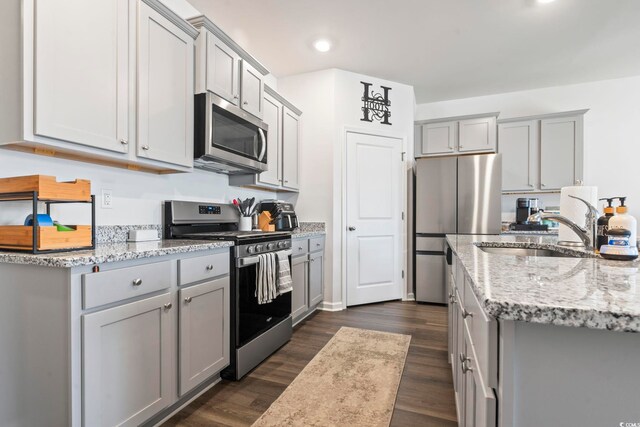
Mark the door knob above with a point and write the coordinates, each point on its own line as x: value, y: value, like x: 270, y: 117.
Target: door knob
x: 352, y: 229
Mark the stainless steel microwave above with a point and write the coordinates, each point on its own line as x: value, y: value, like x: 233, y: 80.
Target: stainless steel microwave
x: 228, y: 139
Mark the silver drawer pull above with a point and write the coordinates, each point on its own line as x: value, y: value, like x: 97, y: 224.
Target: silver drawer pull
x: 466, y: 368
x: 124, y: 142
x: 317, y: 244
x: 299, y: 248
x: 466, y: 314
x: 209, y: 267
x: 188, y: 300
x: 137, y: 282
x: 145, y: 147
x: 168, y: 306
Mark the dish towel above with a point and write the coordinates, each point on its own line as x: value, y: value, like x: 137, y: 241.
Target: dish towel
x: 284, y: 273
x: 266, y: 281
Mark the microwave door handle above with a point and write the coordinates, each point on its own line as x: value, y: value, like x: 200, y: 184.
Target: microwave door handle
x: 263, y: 140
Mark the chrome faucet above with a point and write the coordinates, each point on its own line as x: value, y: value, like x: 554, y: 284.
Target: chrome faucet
x: 588, y: 233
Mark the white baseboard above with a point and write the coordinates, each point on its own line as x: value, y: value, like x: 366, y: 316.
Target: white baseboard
x: 186, y: 403
x: 331, y: 306
x: 410, y: 297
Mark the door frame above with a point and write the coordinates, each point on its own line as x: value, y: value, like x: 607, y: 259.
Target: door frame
x: 343, y: 200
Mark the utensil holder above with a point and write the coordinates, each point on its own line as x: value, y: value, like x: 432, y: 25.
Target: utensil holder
x: 246, y: 223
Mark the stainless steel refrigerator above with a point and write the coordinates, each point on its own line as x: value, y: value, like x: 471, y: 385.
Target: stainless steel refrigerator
x: 453, y: 195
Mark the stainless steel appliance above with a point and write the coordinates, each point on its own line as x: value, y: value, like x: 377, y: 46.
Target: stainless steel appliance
x: 257, y: 330
x: 285, y: 217
x: 227, y: 139
x: 525, y: 207
x: 452, y: 195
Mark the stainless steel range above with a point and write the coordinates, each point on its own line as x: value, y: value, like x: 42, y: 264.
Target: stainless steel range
x: 257, y: 330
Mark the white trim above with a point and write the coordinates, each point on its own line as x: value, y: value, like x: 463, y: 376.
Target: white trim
x: 343, y: 200
x: 409, y: 297
x: 188, y: 402
x: 331, y: 306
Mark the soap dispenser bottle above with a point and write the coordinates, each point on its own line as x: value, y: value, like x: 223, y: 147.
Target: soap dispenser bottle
x: 603, y: 223
x: 622, y: 220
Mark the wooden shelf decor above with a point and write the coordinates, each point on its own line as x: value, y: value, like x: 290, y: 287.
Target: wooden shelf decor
x: 47, y: 239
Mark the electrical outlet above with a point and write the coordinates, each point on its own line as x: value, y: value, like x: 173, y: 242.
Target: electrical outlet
x: 107, y: 199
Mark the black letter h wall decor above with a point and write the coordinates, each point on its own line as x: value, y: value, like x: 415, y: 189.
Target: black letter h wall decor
x: 375, y: 105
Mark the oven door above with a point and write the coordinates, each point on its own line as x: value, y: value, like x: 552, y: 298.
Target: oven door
x: 253, y: 318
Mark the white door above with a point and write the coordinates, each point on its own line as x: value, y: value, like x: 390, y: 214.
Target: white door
x: 374, y: 218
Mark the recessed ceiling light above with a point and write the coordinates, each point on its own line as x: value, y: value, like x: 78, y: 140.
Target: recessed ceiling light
x: 322, y: 45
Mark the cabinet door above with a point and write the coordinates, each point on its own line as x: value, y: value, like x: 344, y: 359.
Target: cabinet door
x: 204, y: 332
x: 517, y: 142
x: 223, y: 70
x: 316, y: 278
x: 561, y: 157
x: 127, y: 362
x: 81, y: 68
x: 251, y: 90
x: 480, y: 407
x: 439, y: 138
x: 299, y: 294
x: 165, y: 90
x: 290, y: 149
x: 460, y: 354
x: 477, y: 134
x: 272, y: 116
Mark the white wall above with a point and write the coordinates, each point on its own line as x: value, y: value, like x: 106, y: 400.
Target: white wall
x: 611, y: 127
x: 331, y: 102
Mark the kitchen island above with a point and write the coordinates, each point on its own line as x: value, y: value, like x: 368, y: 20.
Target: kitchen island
x: 542, y: 340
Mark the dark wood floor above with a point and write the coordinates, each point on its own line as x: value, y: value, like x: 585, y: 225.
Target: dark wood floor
x: 425, y: 396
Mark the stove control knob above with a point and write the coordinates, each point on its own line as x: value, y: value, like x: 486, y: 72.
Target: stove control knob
x: 251, y: 249
x: 281, y: 244
x: 259, y: 248
x: 271, y: 246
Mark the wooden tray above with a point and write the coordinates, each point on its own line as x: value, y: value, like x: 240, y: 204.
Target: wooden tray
x: 48, y: 188
x: 21, y: 237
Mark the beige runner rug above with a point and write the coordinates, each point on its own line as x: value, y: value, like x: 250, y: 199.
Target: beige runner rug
x: 352, y: 381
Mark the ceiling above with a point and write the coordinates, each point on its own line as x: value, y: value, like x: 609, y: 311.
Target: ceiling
x: 446, y: 49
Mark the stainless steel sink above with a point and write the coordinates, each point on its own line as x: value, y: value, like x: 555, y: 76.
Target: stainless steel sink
x: 526, y: 252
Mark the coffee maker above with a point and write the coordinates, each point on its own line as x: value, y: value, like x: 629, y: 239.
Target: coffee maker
x: 525, y: 207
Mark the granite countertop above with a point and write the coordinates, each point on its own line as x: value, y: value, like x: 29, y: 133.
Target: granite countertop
x: 112, y: 252
x: 308, y: 229
x: 551, y: 232
x: 582, y: 292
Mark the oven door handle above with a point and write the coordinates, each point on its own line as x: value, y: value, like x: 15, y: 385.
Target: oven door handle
x: 263, y: 141
x: 246, y: 261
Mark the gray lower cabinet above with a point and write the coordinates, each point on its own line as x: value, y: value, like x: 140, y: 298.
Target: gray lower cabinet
x: 204, y: 331
x: 307, y: 273
x: 127, y: 362
x: 299, y: 294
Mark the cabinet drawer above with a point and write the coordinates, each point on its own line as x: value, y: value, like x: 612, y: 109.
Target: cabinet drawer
x: 116, y: 285
x: 460, y: 277
x: 316, y: 244
x: 299, y: 247
x: 192, y: 270
x: 484, y: 336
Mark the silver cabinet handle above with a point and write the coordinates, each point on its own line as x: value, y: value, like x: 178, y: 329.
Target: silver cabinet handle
x: 542, y: 185
x: 317, y: 244
x: 137, y: 282
x: 299, y: 248
x: 209, y: 267
x: 188, y: 300
x: 463, y: 357
x: 145, y: 147
x: 168, y: 306
x: 124, y: 142
x: 466, y: 314
x: 352, y: 229
x: 245, y: 103
x: 236, y: 97
x: 466, y: 368
x: 286, y: 182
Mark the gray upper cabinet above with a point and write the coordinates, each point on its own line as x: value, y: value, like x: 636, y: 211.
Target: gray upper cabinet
x: 518, y: 148
x: 283, y: 140
x: 226, y: 69
x: 439, y: 138
x: 252, y: 90
x: 456, y: 135
x: 542, y: 153
x: 204, y: 331
x: 127, y: 362
x: 81, y: 72
x: 165, y: 90
x: 222, y: 69
x: 475, y: 135
x: 561, y: 152
x: 290, y: 149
